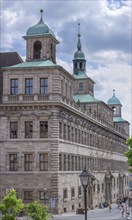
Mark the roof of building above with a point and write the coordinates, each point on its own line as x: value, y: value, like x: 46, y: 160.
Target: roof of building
x: 44, y: 63
x: 118, y: 119
x: 85, y: 98
x: 40, y: 28
x: 80, y: 75
x: 9, y: 59
x: 114, y: 100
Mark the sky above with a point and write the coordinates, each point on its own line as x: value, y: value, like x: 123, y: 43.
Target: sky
x: 106, y: 39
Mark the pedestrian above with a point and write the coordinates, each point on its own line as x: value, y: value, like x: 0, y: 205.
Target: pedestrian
x: 110, y: 207
x: 122, y: 211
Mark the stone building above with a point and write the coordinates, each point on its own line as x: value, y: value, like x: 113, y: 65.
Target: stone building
x: 52, y: 126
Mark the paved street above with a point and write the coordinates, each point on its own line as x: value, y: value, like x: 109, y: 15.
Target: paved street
x: 96, y: 214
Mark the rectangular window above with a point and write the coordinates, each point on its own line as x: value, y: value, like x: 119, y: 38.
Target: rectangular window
x: 79, y: 136
x: 60, y: 130
x: 28, y: 86
x: 75, y: 134
x: 60, y: 161
x: 43, y: 162
x: 79, y: 191
x: 28, y: 129
x: 68, y: 138
x: 28, y: 195
x: 98, y: 188
x: 28, y: 160
x: 43, y: 129
x: 42, y: 195
x: 43, y: 86
x: 65, y: 167
x: 80, y: 86
x: 72, y: 162
x: 65, y: 193
x: 102, y: 187
x: 13, y: 162
x: 76, y: 167
x: 13, y: 129
x: 65, y: 131
x: 14, y: 86
x: 72, y: 192
x: 69, y: 162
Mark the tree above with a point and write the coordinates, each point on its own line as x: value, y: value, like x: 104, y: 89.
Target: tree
x: 37, y: 211
x: 128, y: 154
x: 10, y: 206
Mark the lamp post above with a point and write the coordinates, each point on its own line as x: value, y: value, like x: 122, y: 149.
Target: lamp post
x: 85, y: 179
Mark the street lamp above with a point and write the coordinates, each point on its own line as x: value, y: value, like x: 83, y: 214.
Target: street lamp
x: 85, y: 179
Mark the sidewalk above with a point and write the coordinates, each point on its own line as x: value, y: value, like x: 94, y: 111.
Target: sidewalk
x: 95, y: 210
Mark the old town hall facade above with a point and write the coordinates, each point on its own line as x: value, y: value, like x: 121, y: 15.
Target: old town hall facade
x: 52, y: 126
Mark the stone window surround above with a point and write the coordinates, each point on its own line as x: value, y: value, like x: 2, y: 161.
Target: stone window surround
x: 89, y: 137
x: 95, y: 164
x: 21, y: 128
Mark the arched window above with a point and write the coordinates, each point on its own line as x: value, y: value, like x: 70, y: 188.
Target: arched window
x: 80, y: 65
x: 37, y: 50
x: 75, y: 65
x: 114, y: 110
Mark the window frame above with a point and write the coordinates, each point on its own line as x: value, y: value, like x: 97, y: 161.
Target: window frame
x: 28, y: 195
x: 28, y: 161
x: 13, y: 163
x: 28, y: 86
x: 14, y: 88
x: 43, y: 86
x: 43, y: 129
x: 43, y: 161
x: 28, y: 130
x: 13, y: 128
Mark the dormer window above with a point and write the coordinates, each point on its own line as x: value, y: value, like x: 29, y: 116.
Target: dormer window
x: 37, y: 50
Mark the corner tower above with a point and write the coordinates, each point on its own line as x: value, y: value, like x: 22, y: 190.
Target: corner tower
x: 79, y: 62
x: 40, y: 42
x: 115, y: 104
x: 83, y: 84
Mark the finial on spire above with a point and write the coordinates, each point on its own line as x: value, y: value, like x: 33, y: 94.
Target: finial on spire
x: 113, y: 92
x: 79, y: 29
x: 41, y: 11
x: 79, y: 42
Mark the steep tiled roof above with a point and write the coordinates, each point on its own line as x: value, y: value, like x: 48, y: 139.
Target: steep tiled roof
x: 9, y: 59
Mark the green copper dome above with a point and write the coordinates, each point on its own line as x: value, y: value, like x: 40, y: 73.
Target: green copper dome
x: 114, y: 100
x: 39, y: 29
x: 79, y: 55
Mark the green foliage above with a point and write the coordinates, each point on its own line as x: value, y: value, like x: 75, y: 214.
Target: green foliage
x: 8, y: 217
x: 128, y: 154
x: 37, y: 211
x: 10, y: 206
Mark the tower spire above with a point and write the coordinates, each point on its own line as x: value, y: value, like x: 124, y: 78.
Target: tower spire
x: 79, y: 35
x: 41, y: 19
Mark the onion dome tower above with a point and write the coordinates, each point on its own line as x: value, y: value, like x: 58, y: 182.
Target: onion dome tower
x: 79, y: 62
x: 115, y: 104
x: 41, y: 42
